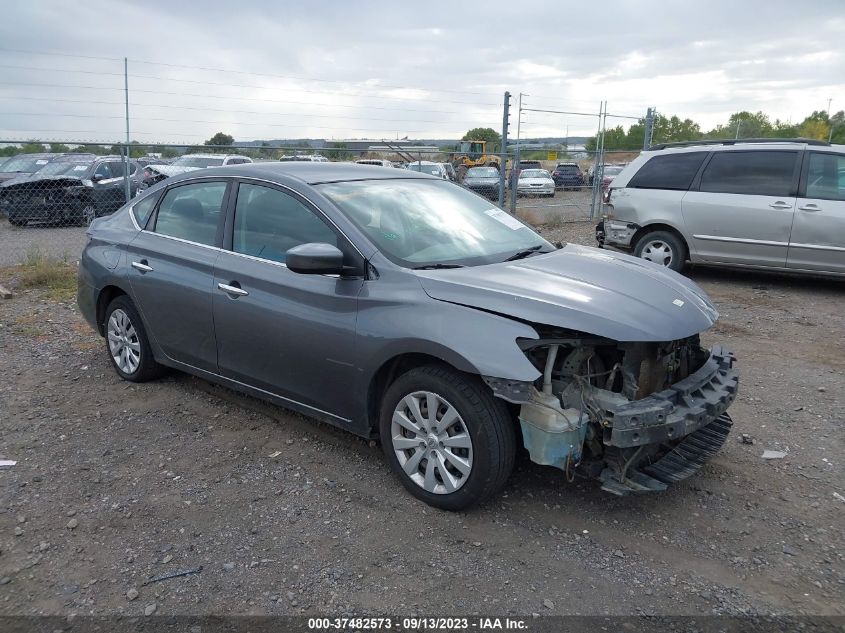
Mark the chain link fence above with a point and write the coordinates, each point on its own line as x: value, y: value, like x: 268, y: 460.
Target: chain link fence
x: 47, y: 199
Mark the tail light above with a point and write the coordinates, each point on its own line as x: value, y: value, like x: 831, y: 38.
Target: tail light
x: 555, y: 173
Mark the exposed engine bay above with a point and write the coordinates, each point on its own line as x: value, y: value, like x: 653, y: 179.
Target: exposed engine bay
x: 637, y: 416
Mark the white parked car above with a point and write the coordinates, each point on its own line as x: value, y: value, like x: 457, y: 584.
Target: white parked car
x: 191, y: 162
x: 535, y: 182
x: 427, y: 167
x: 378, y: 162
x: 304, y: 158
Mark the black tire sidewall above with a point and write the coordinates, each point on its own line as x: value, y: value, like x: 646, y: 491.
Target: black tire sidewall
x: 148, y: 368
x: 484, y: 418
x: 679, y: 251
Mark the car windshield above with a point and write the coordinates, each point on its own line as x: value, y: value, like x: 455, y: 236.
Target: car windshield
x: 567, y: 168
x: 534, y: 173
x: 482, y: 172
x: 418, y: 223
x: 26, y: 164
x: 197, y: 161
x: 64, y: 168
x: 434, y: 170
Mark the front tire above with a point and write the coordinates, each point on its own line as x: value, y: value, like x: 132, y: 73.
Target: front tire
x: 663, y: 248
x: 450, y: 442
x: 127, y: 343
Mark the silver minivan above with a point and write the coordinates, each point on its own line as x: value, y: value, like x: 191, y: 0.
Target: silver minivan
x: 768, y: 204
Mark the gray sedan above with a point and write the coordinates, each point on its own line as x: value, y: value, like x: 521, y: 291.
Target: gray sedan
x: 403, y: 307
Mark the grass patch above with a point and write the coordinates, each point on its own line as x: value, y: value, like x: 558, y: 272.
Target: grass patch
x: 38, y: 271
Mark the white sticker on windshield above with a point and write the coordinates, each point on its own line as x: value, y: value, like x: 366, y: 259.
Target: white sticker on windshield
x: 505, y: 218
x: 41, y: 161
x: 80, y: 167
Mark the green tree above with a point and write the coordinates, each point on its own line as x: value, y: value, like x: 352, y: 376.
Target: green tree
x: 59, y: 148
x: 335, y: 151
x: 220, y: 139
x: 493, y: 138
x: 33, y: 147
x: 815, y: 126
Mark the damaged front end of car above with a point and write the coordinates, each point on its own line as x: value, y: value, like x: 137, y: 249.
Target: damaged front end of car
x: 635, y: 416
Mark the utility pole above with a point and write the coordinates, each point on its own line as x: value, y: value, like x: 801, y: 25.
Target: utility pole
x: 503, y: 154
x: 126, y: 96
x: 515, y: 166
x: 648, y: 131
x: 829, y: 122
x: 738, y: 123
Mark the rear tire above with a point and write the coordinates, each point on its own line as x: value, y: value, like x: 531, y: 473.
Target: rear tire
x: 127, y: 344
x: 462, y: 406
x: 662, y: 248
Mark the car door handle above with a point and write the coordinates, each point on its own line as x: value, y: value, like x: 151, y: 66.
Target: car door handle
x: 142, y: 266
x: 232, y: 290
x: 780, y: 205
x: 810, y: 206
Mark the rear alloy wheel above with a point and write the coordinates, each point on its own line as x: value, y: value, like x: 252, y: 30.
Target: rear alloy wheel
x: 663, y: 248
x: 446, y: 437
x: 89, y: 214
x: 127, y: 343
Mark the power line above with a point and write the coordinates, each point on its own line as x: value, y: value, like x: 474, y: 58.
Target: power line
x: 222, y: 70
x: 167, y: 105
x: 334, y: 94
x: 284, y: 125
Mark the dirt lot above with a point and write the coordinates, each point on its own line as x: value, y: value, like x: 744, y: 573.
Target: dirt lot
x: 117, y: 483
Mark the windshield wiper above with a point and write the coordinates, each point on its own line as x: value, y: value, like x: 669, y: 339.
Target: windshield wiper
x: 437, y: 266
x: 524, y: 253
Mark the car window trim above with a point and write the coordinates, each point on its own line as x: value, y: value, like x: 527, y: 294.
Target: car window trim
x: 218, y: 236
x: 149, y: 217
x: 805, y: 174
x: 230, y: 216
x: 796, y: 172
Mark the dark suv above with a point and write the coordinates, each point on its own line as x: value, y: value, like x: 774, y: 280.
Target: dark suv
x: 73, y: 188
x: 568, y: 175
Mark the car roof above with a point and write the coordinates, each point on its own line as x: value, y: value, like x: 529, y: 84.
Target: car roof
x: 213, y: 156
x: 79, y: 158
x: 311, y: 173
x: 739, y: 144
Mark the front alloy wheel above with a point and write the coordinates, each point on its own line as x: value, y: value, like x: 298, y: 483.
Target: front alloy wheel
x: 450, y: 442
x: 431, y: 442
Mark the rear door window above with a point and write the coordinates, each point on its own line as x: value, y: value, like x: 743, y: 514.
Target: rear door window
x: 192, y: 212
x: 669, y: 171
x: 766, y: 173
x: 826, y: 176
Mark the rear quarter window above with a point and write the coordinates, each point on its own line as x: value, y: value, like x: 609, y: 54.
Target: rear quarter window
x: 669, y: 171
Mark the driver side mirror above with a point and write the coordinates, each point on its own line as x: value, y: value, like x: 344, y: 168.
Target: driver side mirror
x: 315, y: 259
x: 97, y: 177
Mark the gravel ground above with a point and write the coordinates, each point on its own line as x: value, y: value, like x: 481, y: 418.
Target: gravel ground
x: 117, y: 483
x: 16, y: 243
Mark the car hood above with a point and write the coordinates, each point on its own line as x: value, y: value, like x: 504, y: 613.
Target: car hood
x: 7, y: 180
x: 585, y: 289
x: 476, y: 180
x: 172, y: 170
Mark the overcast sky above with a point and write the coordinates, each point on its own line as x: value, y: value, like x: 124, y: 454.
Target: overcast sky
x: 263, y: 70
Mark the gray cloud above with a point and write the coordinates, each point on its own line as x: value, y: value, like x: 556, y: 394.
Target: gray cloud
x: 382, y: 69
